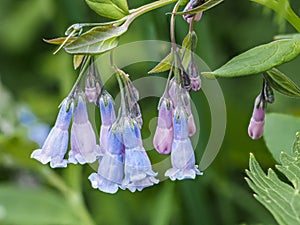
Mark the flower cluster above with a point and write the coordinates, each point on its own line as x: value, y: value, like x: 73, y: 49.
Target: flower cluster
x: 125, y: 163
x: 257, y: 121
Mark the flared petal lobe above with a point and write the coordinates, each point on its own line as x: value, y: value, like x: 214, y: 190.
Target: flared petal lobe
x: 138, y: 170
x: 111, y: 168
x: 182, y: 153
x: 56, y: 144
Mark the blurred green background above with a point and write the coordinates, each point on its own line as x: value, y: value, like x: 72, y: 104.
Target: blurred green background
x: 32, y: 78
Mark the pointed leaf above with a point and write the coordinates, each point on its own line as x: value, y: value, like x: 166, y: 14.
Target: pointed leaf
x: 259, y: 59
x: 287, y: 36
x: 77, y: 60
x: 282, y: 83
x: 164, y: 65
x: 96, y: 40
x: 188, y: 43
x: 207, y: 5
x: 280, y: 198
x: 114, y: 9
x: 60, y: 40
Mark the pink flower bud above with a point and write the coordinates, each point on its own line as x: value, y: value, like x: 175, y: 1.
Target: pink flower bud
x: 256, y: 126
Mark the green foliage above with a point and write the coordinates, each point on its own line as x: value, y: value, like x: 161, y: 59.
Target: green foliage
x: 280, y: 198
x: 33, y: 206
x: 114, y: 9
x: 164, y: 65
x: 279, y: 132
x: 97, y: 40
x: 282, y: 83
x: 259, y: 59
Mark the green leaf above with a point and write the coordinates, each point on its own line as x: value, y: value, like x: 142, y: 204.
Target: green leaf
x: 287, y: 36
x: 188, y: 45
x: 164, y: 64
x: 97, y: 40
x: 60, y: 40
x: 259, y: 59
x: 280, y: 198
x: 33, y: 206
x: 279, y: 132
x: 207, y: 5
x: 282, y: 83
x: 114, y: 9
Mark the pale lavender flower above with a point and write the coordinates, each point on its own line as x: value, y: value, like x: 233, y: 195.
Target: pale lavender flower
x: 163, y: 136
x: 256, y: 125
x: 182, y: 153
x: 92, y: 85
x: 191, y: 5
x: 56, y: 144
x: 108, y: 117
x: 137, y: 167
x: 84, y: 148
x: 111, y: 168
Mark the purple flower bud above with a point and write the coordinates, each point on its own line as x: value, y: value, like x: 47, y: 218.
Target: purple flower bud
x: 189, y: 17
x: 92, y: 88
x: 111, y: 168
x: 56, y: 144
x: 194, y: 76
x: 108, y: 116
x: 138, y: 170
x: 174, y: 87
x: 84, y: 148
x: 163, y: 136
x: 256, y: 126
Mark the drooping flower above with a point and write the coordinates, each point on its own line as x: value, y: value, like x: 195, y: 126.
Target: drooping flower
x: 137, y: 166
x: 256, y: 125
x: 111, y: 167
x: 182, y: 153
x: 84, y: 148
x: 108, y: 116
x: 163, y: 136
x: 56, y: 144
x: 191, y: 5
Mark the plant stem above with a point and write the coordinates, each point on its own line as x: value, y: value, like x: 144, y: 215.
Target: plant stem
x: 82, y: 71
x: 146, y: 8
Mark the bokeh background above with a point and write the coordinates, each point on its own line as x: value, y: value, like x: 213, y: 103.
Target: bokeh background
x: 33, y: 82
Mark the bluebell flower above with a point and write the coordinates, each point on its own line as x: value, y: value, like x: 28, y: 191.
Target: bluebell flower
x: 108, y: 117
x: 182, y: 153
x: 56, y: 144
x: 163, y: 136
x: 84, y: 148
x: 137, y: 168
x: 111, y: 168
